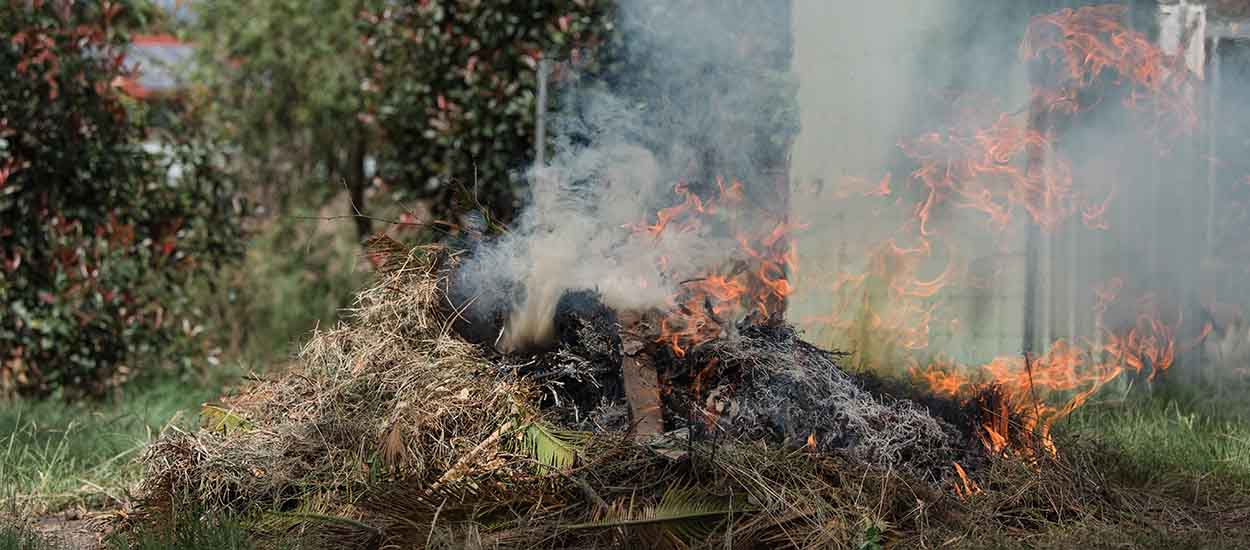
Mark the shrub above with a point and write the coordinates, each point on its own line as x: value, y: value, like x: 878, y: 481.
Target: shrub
x: 104, y: 219
x: 285, y: 79
x: 455, y: 92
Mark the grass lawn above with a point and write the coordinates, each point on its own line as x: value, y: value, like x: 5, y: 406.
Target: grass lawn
x: 1177, y: 434
x: 54, y: 456
x: 20, y: 537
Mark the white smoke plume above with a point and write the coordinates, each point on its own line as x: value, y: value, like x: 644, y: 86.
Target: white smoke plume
x: 689, y: 99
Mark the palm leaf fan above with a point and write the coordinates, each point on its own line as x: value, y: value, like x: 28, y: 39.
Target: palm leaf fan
x: 549, y: 446
x: 683, y: 512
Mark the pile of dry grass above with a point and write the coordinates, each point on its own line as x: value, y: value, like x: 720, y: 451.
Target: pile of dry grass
x: 396, y: 433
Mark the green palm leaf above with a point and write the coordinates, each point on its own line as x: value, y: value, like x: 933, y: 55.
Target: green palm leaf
x: 223, y: 420
x: 550, y: 447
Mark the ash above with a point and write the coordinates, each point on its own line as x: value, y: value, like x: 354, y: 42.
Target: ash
x: 766, y: 384
x: 759, y: 384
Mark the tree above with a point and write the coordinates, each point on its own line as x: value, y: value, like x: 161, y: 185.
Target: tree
x: 439, y: 94
x: 454, y: 87
x: 99, y: 239
x: 286, y: 80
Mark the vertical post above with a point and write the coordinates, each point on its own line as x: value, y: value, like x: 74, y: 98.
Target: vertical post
x: 1035, y: 168
x: 642, y: 384
x: 1213, y: 108
x: 540, y: 114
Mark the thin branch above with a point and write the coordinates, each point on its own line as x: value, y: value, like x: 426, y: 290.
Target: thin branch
x: 430, y: 224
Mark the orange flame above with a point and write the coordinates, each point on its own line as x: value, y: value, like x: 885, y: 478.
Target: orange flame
x: 965, y: 488
x: 757, y: 283
x: 983, y: 161
x: 1026, y: 381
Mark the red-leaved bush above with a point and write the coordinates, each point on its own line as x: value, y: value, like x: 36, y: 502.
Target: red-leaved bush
x: 99, y: 237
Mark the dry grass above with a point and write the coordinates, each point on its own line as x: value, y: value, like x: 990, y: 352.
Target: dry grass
x: 396, y: 433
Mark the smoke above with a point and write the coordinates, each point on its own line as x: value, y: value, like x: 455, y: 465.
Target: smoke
x: 700, y: 90
x: 876, y: 73
x: 692, y: 91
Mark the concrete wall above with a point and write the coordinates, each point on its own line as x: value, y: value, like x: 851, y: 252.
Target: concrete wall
x: 866, y: 71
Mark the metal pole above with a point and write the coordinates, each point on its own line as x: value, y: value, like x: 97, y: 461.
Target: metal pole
x: 1212, y: 126
x: 540, y: 114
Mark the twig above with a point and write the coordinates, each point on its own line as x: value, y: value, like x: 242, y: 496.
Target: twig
x: 434, y: 522
x: 463, y: 464
x: 434, y: 223
x: 329, y: 519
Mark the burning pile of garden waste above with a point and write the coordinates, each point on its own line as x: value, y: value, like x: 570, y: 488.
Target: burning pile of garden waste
x: 397, y: 430
x: 616, y: 368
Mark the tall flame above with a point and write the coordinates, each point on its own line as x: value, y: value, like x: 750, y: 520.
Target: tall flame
x: 984, y: 161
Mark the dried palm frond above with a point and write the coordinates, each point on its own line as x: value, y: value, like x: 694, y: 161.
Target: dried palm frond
x: 683, y: 515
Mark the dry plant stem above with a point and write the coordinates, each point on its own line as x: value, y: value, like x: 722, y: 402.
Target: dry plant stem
x: 463, y: 466
x: 642, y: 384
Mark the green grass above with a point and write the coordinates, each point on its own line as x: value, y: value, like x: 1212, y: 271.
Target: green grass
x: 1176, y: 433
x: 192, y: 532
x: 19, y: 537
x: 297, y: 275
x: 55, y: 455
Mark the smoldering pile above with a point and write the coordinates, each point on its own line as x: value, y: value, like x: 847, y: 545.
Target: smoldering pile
x: 759, y: 384
x: 393, y: 429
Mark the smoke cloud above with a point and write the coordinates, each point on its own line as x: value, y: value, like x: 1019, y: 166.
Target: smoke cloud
x: 1155, y: 220
x: 694, y: 90
x: 876, y: 74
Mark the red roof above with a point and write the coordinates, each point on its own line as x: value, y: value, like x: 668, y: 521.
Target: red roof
x: 157, y: 57
x: 156, y: 39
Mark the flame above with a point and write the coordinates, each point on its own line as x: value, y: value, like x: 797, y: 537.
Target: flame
x: 986, y: 160
x: 977, y: 167
x: 1090, y: 41
x: 1026, y: 382
x: 965, y: 488
x: 1086, y: 43
x: 894, y: 300
x: 755, y: 284
x: 983, y: 160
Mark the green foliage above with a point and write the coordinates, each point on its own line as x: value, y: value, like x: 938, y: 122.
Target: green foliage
x: 282, y: 81
x: 222, y: 420
x: 453, y: 89
x: 873, y: 536
x: 296, y: 275
x: 549, y: 446
x: 106, y: 220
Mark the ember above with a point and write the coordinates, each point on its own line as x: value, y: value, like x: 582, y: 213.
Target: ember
x: 754, y: 284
